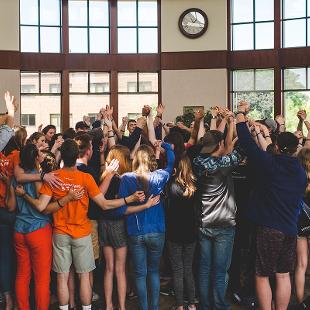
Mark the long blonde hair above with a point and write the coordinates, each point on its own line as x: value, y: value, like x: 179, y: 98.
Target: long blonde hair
x: 304, y: 157
x: 184, y: 176
x: 144, y: 162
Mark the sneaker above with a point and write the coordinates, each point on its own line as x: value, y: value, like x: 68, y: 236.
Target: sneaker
x: 131, y: 295
x: 95, y: 297
x: 167, y: 291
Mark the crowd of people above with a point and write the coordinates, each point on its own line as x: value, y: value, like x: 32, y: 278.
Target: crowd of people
x: 148, y: 193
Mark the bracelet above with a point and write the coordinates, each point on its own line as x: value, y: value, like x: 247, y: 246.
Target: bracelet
x: 267, y: 136
x: 258, y: 134
x: 126, y: 203
x: 111, y: 130
x: 110, y: 137
x: 60, y: 206
x: 122, y: 130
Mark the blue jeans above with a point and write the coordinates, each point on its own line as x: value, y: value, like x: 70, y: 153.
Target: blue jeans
x: 216, y: 245
x: 146, y: 251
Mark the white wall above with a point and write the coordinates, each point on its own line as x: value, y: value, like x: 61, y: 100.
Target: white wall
x: 206, y: 87
x: 10, y: 80
x: 9, y: 25
x: 172, y: 40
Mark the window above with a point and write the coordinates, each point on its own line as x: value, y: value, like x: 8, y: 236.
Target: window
x: 40, y: 99
x: 137, y: 26
x: 255, y: 86
x: 28, y: 119
x: 89, y: 26
x: 40, y: 26
x: 136, y: 89
x: 295, y: 23
x: 89, y: 92
x: 296, y: 94
x: 55, y: 120
x: 252, y: 24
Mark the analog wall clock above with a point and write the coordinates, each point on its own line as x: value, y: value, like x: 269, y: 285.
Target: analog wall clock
x: 193, y: 23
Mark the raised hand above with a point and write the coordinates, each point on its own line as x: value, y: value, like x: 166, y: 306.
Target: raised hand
x: 199, y: 115
x: 146, y: 110
x: 124, y: 121
x: 10, y: 102
x: 40, y: 128
x: 243, y: 106
x: 160, y: 109
x: 214, y: 111
x: 112, y: 167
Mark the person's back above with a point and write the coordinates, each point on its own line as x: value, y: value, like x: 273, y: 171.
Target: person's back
x: 72, y: 219
x: 277, y: 194
x: 28, y: 219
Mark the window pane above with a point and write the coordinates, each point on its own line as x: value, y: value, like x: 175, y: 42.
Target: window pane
x: 261, y: 103
x: 293, y: 102
x: 148, y: 82
x: 127, y: 82
x: 264, y: 36
x: 295, y: 78
x: 126, y: 13
x: 98, y: 13
x: 294, y: 33
x: 243, y: 80
x: 78, y: 82
x: 264, y: 10
x: 148, y: 40
x: 99, y: 40
x: 29, y: 12
x: 77, y: 13
x: 29, y: 82
x: 243, y: 37
x: 147, y: 12
x: 264, y: 80
x: 295, y: 8
x: 29, y: 41
x: 131, y: 105
x: 242, y: 11
x: 50, y: 12
x: 50, y: 82
x: 42, y: 107
x: 50, y: 39
x: 127, y: 40
x: 78, y: 40
x: 99, y: 82
x: 81, y: 105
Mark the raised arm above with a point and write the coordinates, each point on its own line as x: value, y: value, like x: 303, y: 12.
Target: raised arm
x: 170, y: 157
x: 150, y: 127
x: 194, y: 133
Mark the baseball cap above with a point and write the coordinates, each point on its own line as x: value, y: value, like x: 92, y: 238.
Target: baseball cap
x: 271, y: 124
x: 210, y: 141
x: 287, y: 142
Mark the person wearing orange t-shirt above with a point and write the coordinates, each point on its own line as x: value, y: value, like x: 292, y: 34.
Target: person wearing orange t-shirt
x: 9, y: 159
x: 72, y: 228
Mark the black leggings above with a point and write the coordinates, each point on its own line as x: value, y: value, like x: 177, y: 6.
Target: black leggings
x: 181, y: 257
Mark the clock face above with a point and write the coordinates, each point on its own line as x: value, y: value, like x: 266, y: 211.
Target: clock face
x: 193, y: 23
